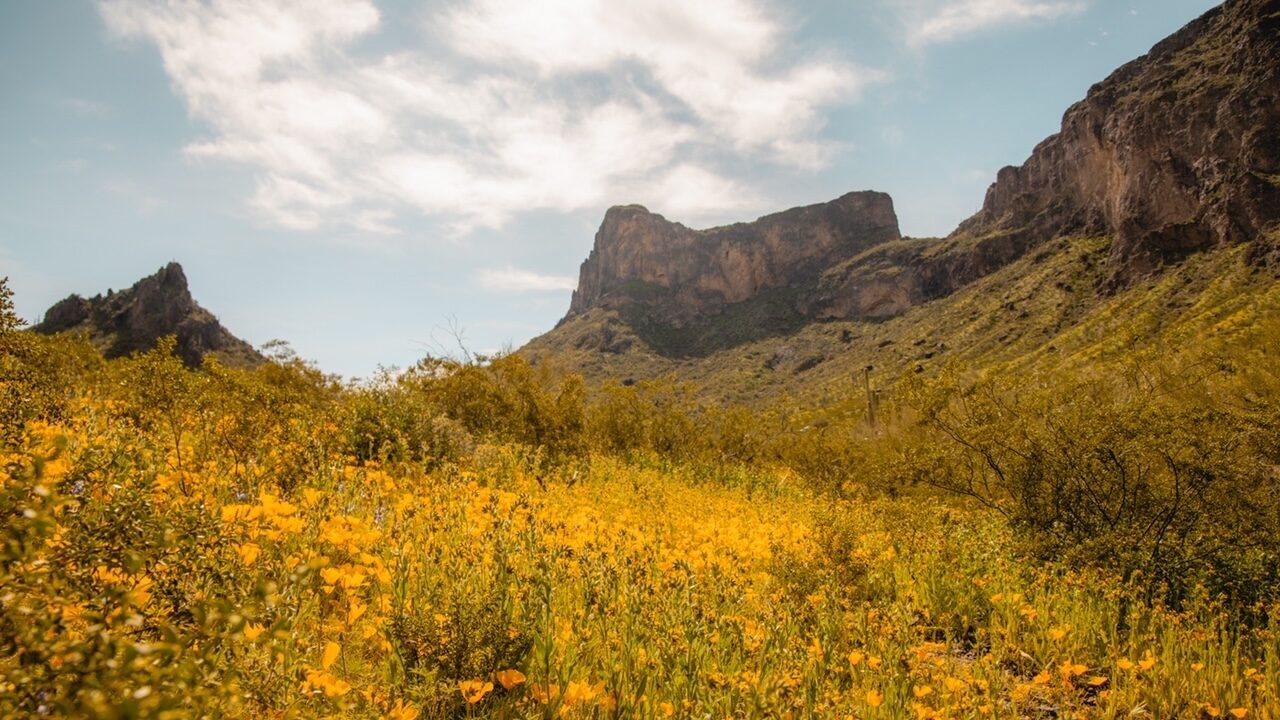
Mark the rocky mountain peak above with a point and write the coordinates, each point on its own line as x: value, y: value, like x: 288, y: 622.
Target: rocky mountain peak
x: 1176, y: 151
x: 131, y: 320
x: 684, y: 275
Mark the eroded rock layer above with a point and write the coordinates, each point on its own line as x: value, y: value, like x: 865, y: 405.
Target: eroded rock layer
x: 643, y: 258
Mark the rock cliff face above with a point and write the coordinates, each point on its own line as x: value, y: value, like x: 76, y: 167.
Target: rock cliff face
x: 131, y: 320
x: 1175, y: 152
x: 689, y: 275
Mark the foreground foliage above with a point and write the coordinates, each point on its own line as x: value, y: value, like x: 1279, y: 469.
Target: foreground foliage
x: 491, y: 540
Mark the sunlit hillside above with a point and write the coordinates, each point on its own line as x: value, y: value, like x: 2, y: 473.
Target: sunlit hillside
x: 1038, y: 315
x: 768, y: 455
x: 488, y: 541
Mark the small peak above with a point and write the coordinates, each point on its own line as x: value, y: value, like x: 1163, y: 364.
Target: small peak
x: 622, y: 216
x: 172, y: 275
x: 871, y: 195
x: 632, y: 209
x: 173, y: 269
x: 134, y: 319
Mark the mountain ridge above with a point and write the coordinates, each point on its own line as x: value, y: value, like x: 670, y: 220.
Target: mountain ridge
x: 1175, y: 153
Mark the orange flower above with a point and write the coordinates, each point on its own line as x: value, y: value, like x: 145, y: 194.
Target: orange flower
x: 510, y: 678
x: 331, y: 652
x: 330, y: 685
x: 578, y: 692
x: 473, y: 691
x: 403, y: 712
x: 1070, y: 669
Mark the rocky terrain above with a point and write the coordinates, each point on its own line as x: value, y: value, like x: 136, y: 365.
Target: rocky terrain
x: 1176, y: 153
x: 690, y: 275
x: 128, y: 321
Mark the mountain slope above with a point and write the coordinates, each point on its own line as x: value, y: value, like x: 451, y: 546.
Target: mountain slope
x: 120, y: 323
x: 1153, y: 214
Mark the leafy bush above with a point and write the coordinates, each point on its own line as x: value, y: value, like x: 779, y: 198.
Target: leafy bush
x: 1144, y: 472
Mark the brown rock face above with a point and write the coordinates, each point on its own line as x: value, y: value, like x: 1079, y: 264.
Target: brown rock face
x: 1175, y: 152
x: 687, y: 275
x: 132, y: 320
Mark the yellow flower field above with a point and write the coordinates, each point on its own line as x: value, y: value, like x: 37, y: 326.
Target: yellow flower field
x: 505, y: 586
x: 492, y: 540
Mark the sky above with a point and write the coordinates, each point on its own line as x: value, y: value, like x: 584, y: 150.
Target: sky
x: 371, y: 179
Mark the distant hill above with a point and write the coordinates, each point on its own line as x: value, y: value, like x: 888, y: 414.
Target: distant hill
x: 128, y: 321
x: 1152, y: 214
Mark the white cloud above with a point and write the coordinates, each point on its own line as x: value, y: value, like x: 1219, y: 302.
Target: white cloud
x: 511, y: 106
x: 690, y: 192
x: 938, y: 21
x: 514, y: 280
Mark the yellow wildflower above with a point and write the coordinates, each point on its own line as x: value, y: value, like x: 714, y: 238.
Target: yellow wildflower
x: 331, y: 652
x: 403, y: 712
x: 510, y: 678
x: 473, y: 691
x: 248, y: 552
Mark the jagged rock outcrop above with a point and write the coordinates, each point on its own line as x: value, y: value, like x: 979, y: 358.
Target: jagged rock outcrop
x: 120, y: 323
x: 686, y: 275
x: 1175, y: 152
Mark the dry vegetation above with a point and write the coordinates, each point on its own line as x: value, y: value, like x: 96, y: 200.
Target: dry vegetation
x: 491, y: 539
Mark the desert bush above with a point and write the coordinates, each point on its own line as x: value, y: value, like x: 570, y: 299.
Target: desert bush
x: 1136, y: 471
x: 37, y: 374
x: 110, y: 607
x: 504, y: 398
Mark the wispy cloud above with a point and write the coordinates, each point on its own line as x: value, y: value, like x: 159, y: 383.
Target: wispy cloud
x: 145, y: 201
x: 938, y: 21
x: 71, y: 165
x: 515, y: 280
x: 514, y: 106
x: 85, y: 106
